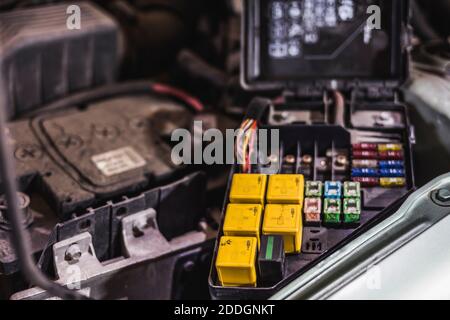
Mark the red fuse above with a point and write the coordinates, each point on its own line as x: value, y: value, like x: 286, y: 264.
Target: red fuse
x: 367, y: 181
x: 363, y: 154
x: 365, y: 146
x: 391, y: 155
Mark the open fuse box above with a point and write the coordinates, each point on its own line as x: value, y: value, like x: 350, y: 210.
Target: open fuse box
x: 344, y: 161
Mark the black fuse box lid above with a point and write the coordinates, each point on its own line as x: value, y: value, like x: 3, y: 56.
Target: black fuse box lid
x: 334, y: 44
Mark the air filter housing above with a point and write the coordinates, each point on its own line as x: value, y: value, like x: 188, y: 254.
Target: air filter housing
x: 42, y: 59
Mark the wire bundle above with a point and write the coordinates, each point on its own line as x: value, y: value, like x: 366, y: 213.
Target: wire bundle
x: 245, y: 143
x: 246, y: 137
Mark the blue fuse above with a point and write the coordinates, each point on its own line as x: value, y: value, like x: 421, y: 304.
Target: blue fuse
x: 392, y: 173
x: 365, y: 172
x: 391, y: 164
x: 333, y: 189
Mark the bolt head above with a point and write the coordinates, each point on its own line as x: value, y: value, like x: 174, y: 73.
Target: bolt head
x: 341, y: 160
x: 443, y: 195
x: 139, y: 227
x: 73, y: 253
x: 273, y: 158
x: 307, y: 159
x: 285, y: 115
x: 290, y: 159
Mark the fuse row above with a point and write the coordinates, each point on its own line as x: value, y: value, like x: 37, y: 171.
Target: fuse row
x: 378, y: 165
x: 374, y: 164
x: 335, y: 209
x: 378, y: 147
x: 332, y: 213
x: 332, y: 189
x: 373, y: 151
x: 369, y: 172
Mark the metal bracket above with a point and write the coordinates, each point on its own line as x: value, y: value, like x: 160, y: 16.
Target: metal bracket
x: 145, y: 253
x: 75, y: 259
x: 141, y: 235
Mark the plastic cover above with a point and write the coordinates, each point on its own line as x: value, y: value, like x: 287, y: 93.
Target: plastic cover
x: 324, y: 43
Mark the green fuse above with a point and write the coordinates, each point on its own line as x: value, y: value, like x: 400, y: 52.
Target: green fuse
x: 352, y: 189
x: 352, y: 210
x: 313, y: 189
x: 332, y: 211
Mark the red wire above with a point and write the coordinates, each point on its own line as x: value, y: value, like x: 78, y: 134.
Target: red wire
x: 179, y: 94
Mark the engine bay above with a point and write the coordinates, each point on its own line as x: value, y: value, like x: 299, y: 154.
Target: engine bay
x: 116, y: 178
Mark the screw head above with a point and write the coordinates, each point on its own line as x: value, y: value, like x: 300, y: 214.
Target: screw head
x: 70, y: 141
x: 28, y: 152
x: 73, y: 253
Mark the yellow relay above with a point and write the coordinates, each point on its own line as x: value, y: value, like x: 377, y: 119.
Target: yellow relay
x: 284, y: 220
x: 285, y: 189
x: 236, y: 261
x: 243, y: 220
x: 248, y: 188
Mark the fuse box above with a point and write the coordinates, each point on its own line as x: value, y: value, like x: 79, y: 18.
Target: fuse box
x: 341, y: 122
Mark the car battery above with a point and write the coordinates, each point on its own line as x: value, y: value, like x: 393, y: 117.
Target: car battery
x: 332, y: 70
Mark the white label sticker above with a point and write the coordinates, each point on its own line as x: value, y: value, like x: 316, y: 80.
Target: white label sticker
x: 118, y: 161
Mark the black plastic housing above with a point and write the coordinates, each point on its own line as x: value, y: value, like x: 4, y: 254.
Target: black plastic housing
x: 315, y: 135
x: 42, y: 60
